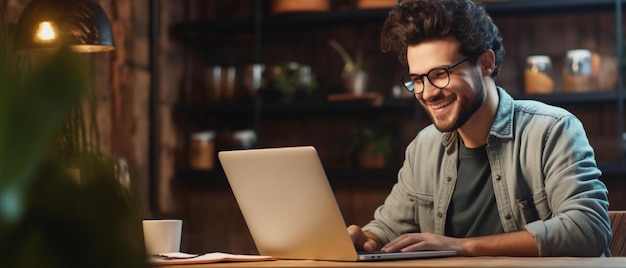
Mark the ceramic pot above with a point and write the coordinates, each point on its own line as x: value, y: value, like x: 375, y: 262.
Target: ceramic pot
x: 365, y: 4
x: 284, y: 6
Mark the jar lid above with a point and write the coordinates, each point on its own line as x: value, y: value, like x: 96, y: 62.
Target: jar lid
x: 578, y: 54
x: 245, y: 135
x: 538, y: 59
x: 203, y: 136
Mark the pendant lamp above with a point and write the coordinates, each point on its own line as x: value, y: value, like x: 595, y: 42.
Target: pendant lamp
x: 45, y: 25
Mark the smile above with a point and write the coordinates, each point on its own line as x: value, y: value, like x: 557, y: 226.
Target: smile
x: 442, y: 104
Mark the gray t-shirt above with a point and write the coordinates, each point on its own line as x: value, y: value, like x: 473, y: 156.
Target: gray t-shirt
x: 473, y: 210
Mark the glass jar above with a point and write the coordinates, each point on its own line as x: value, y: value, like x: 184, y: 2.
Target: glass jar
x: 577, y: 71
x: 202, y: 151
x: 538, y: 75
x: 244, y: 139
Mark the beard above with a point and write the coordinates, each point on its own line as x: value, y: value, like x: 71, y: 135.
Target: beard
x: 467, y: 108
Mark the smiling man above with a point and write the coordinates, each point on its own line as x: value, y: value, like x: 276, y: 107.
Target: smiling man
x: 491, y: 175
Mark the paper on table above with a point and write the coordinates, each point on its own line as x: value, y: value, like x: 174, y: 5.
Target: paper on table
x: 186, y: 258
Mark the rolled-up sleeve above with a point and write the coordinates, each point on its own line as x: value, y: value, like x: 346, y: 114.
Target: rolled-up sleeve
x: 579, y: 225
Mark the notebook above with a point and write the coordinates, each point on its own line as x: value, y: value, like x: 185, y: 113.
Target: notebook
x: 289, y: 206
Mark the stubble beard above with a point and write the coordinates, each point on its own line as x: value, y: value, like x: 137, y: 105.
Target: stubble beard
x: 467, y: 108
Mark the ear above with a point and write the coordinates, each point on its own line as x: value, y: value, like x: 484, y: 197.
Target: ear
x: 487, y: 62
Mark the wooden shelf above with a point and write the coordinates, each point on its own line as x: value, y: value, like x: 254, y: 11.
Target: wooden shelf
x: 315, y: 106
x: 216, y: 179
x: 536, y: 7
x: 569, y: 98
x: 368, y: 105
x: 194, y: 30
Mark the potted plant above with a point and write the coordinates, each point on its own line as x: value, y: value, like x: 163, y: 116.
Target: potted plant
x: 284, y: 6
x: 365, y: 4
x: 47, y: 219
x: 353, y: 74
x: 372, y: 144
x: 287, y: 81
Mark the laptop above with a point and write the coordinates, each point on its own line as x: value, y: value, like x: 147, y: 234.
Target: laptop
x: 290, y: 209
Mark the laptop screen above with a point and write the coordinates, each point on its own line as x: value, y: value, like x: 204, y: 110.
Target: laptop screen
x: 289, y: 206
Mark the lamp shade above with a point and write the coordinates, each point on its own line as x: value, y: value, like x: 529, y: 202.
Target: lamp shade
x: 49, y: 24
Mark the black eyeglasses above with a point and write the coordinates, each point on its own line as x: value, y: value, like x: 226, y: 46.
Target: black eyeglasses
x: 438, y: 77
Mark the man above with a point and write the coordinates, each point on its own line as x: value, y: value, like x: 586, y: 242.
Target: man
x: 491, y: 175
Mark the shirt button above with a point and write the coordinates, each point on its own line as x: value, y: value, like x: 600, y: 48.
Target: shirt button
x: 448, y: 179
x: 440, y: 215
x: 507, y: 216
x: 498, y: 177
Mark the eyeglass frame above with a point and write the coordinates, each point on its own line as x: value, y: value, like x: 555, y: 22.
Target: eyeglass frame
x: 427, y: 75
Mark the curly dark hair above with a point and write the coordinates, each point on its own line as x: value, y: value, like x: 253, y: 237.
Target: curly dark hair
x: 413, y: 22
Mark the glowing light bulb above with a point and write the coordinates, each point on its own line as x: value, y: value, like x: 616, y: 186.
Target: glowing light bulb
x: 46, y: 32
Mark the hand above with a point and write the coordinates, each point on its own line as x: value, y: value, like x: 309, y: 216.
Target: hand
x: 361, y: 240
x: 423, y: 241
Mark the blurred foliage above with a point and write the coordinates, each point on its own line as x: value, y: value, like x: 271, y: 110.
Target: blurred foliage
x: 47, y: 218
x: 371, y: 140
x: 288, y: 80
x: 350, y: 66
x: 377, y: 136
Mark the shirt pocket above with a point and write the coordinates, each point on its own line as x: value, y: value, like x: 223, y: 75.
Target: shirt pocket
x: 424, y: 206
x: 541, y: 203
x: 534, y: 208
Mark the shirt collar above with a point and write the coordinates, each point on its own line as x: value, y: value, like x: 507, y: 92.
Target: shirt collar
x: 502, y: 124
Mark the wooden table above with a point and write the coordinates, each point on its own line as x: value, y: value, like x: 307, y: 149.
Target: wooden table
x: 436, y: 262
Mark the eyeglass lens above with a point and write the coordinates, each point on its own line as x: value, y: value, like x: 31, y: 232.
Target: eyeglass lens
x: 438, y: 77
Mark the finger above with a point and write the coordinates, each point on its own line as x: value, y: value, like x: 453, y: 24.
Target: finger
x: 353, y: 228
x: 359, y: 239
x: 354, y: 231
x: 370, y: 245
x: 423, y: 245
x: 418, y: 247
x: 402, y: 242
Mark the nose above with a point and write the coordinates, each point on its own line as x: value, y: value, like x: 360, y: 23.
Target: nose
x: 430, y: 91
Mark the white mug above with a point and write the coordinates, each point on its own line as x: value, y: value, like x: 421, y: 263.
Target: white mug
x: 162, y: 236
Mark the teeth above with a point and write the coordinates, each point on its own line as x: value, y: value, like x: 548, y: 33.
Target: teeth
x: 441, y: 105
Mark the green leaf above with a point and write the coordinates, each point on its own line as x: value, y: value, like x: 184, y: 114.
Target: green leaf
x: 32, y: 112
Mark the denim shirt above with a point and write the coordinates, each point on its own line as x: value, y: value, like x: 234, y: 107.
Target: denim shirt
x: 544, y: 177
